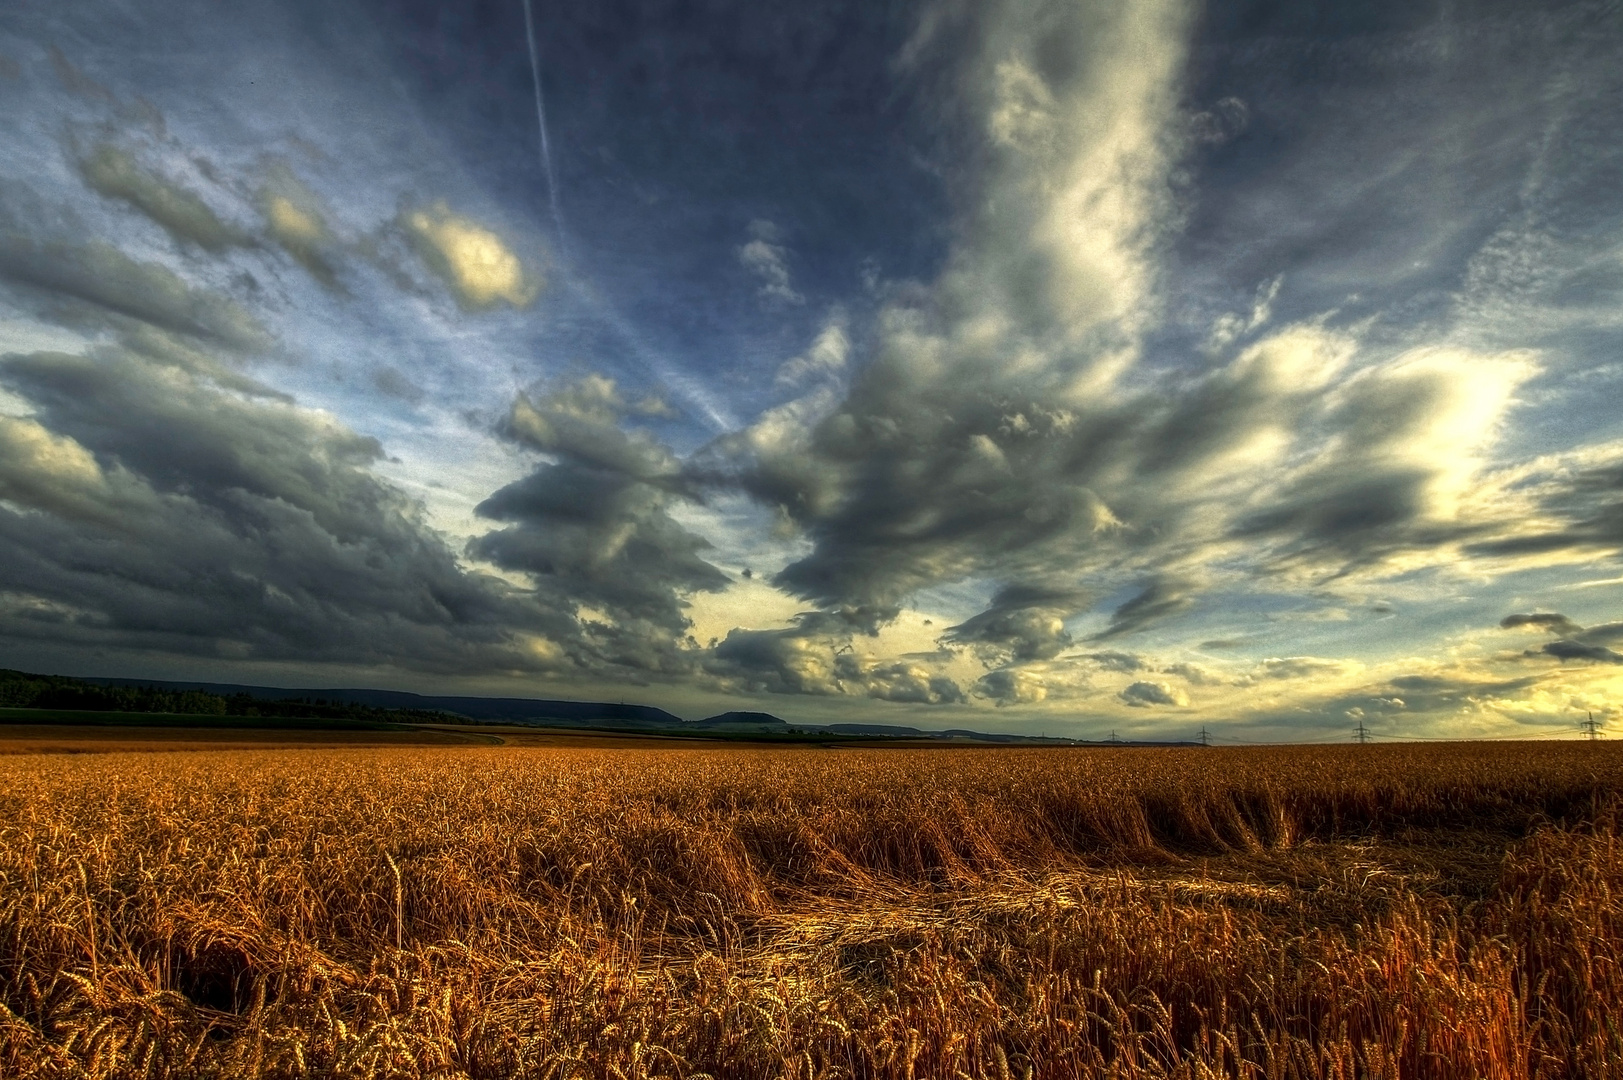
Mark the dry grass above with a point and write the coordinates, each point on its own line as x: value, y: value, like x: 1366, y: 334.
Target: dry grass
x: 1448, y: 911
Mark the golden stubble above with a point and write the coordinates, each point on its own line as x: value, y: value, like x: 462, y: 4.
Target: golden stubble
x: 1444, y: 911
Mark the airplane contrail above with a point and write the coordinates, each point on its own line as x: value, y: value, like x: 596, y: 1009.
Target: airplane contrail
x: 541, y: 122
x: 713, y: 411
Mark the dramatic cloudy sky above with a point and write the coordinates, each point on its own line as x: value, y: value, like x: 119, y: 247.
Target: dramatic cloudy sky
x: 1033, y: 366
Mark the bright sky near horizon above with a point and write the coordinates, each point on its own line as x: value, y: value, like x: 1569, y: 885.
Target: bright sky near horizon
x: 1027, y: 366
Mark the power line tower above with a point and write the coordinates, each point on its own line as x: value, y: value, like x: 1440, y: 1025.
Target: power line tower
x: 1590, y: 728
x: 1205, y: 736
x: 1361, y: 733
x: 1113, y: 736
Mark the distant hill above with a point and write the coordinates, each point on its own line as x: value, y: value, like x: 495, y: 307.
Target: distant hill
x: 752, y: 719
x: 510, y: 710
x: 154, y: 695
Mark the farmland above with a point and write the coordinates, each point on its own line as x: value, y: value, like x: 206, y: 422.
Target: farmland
x: 646, y: 910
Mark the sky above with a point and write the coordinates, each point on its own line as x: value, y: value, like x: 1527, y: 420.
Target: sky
x: 1049, y: 367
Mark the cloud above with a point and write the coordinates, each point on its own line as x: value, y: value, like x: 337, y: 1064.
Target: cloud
x: 1224, y: 121
x: 1193, y: 674
x: 289, y: 547
x: 297, y: 221
x: 993, y: 437
x: 1117, y: 661
x: 75, y: 81
x: 1417, y: 698
x: 1573, y: 642
x: 816, y: 657
x: 113, y: 288
x: 220, y: 367
x: 1576, y: 650
x: 1157, y: 601
x: 474, y: 262
x: 1612, y: 631
x: 768, y: 261
x: 1230, y: 327
x: 910, y: 682
x: 47, y: 472
x: 1548, y: 621
x: 581, y: 421
x: 1051, y: 440
x: 956, y: 452
x: 392, y: 382
x: 1302, y: 667
x: 1148, y: 694
x: 1575, y: 511
x: 115, y: 174
x: 1403, y: 449
x: 1024, y: 622
x: 775, y: 661
x: 993, y: 434
x: 1011, y: 686
x: 825, y: 359
x: 1276, y: 466
x: 593, y: 528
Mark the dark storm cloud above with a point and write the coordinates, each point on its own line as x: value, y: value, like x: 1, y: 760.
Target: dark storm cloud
x: 938, y: 467
x: 1024, y: 622
x: 1150, y: 307
x: 593, y: 528
x: 151, y: 510
x: 183, y: 436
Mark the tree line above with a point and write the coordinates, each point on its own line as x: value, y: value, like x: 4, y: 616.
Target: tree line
x: 23, y: 690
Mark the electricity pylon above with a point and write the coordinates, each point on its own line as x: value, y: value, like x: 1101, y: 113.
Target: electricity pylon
x: 1205, y: 737
x: 1590, y: 728
x: 1361, y: 733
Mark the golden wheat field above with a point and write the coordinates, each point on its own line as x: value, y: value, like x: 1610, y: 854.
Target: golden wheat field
x: 1446, y: 911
